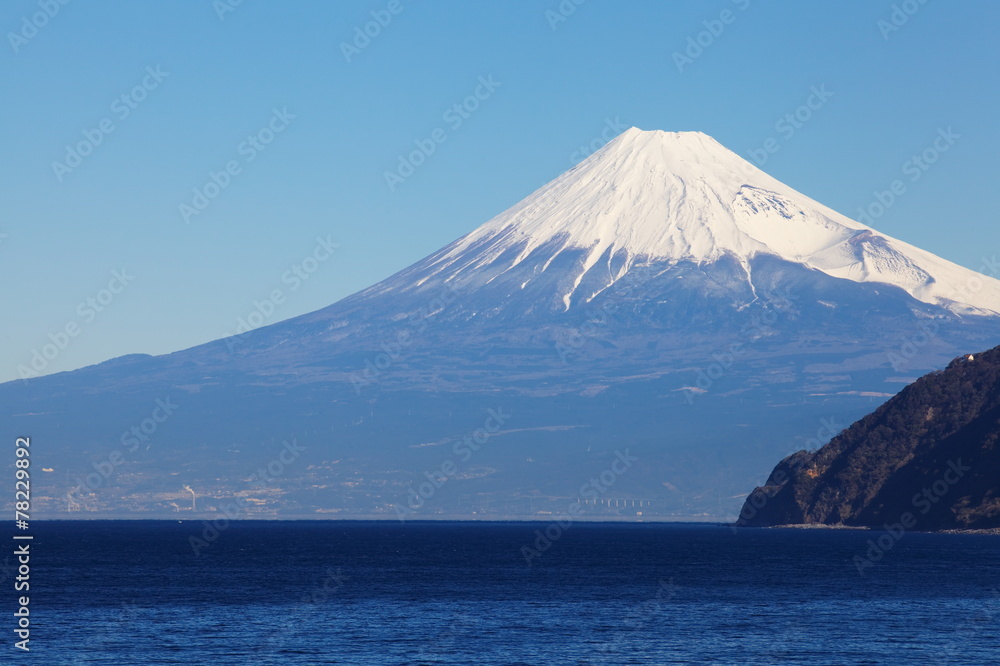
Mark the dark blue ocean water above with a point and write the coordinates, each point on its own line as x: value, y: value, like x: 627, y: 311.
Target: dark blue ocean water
x: 462, y: 593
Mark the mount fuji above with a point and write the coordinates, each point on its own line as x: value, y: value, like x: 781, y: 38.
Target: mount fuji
x: 664, y: 302
x: 661, y: 197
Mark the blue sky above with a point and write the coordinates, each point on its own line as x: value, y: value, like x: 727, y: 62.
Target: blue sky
x: 206, y: 88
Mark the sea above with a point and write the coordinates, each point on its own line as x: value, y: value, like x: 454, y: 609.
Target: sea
x: 344, y: 592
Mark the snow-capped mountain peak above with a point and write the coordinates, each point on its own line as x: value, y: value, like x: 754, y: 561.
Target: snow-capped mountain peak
x: 655, y: 196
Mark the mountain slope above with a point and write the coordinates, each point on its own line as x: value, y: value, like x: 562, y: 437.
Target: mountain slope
x: 664, y: 296
x: 668, y: 197
x: 931, y: 451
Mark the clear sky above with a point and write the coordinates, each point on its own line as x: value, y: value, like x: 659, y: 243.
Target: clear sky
x: 116, y: 112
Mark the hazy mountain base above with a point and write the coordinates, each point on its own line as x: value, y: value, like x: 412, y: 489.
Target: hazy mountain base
x: 704, y: 412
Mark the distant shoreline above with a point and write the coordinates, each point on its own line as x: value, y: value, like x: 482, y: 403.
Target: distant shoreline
x: 542, y: 520
x: 822, y: 526
x: 507, y: 520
